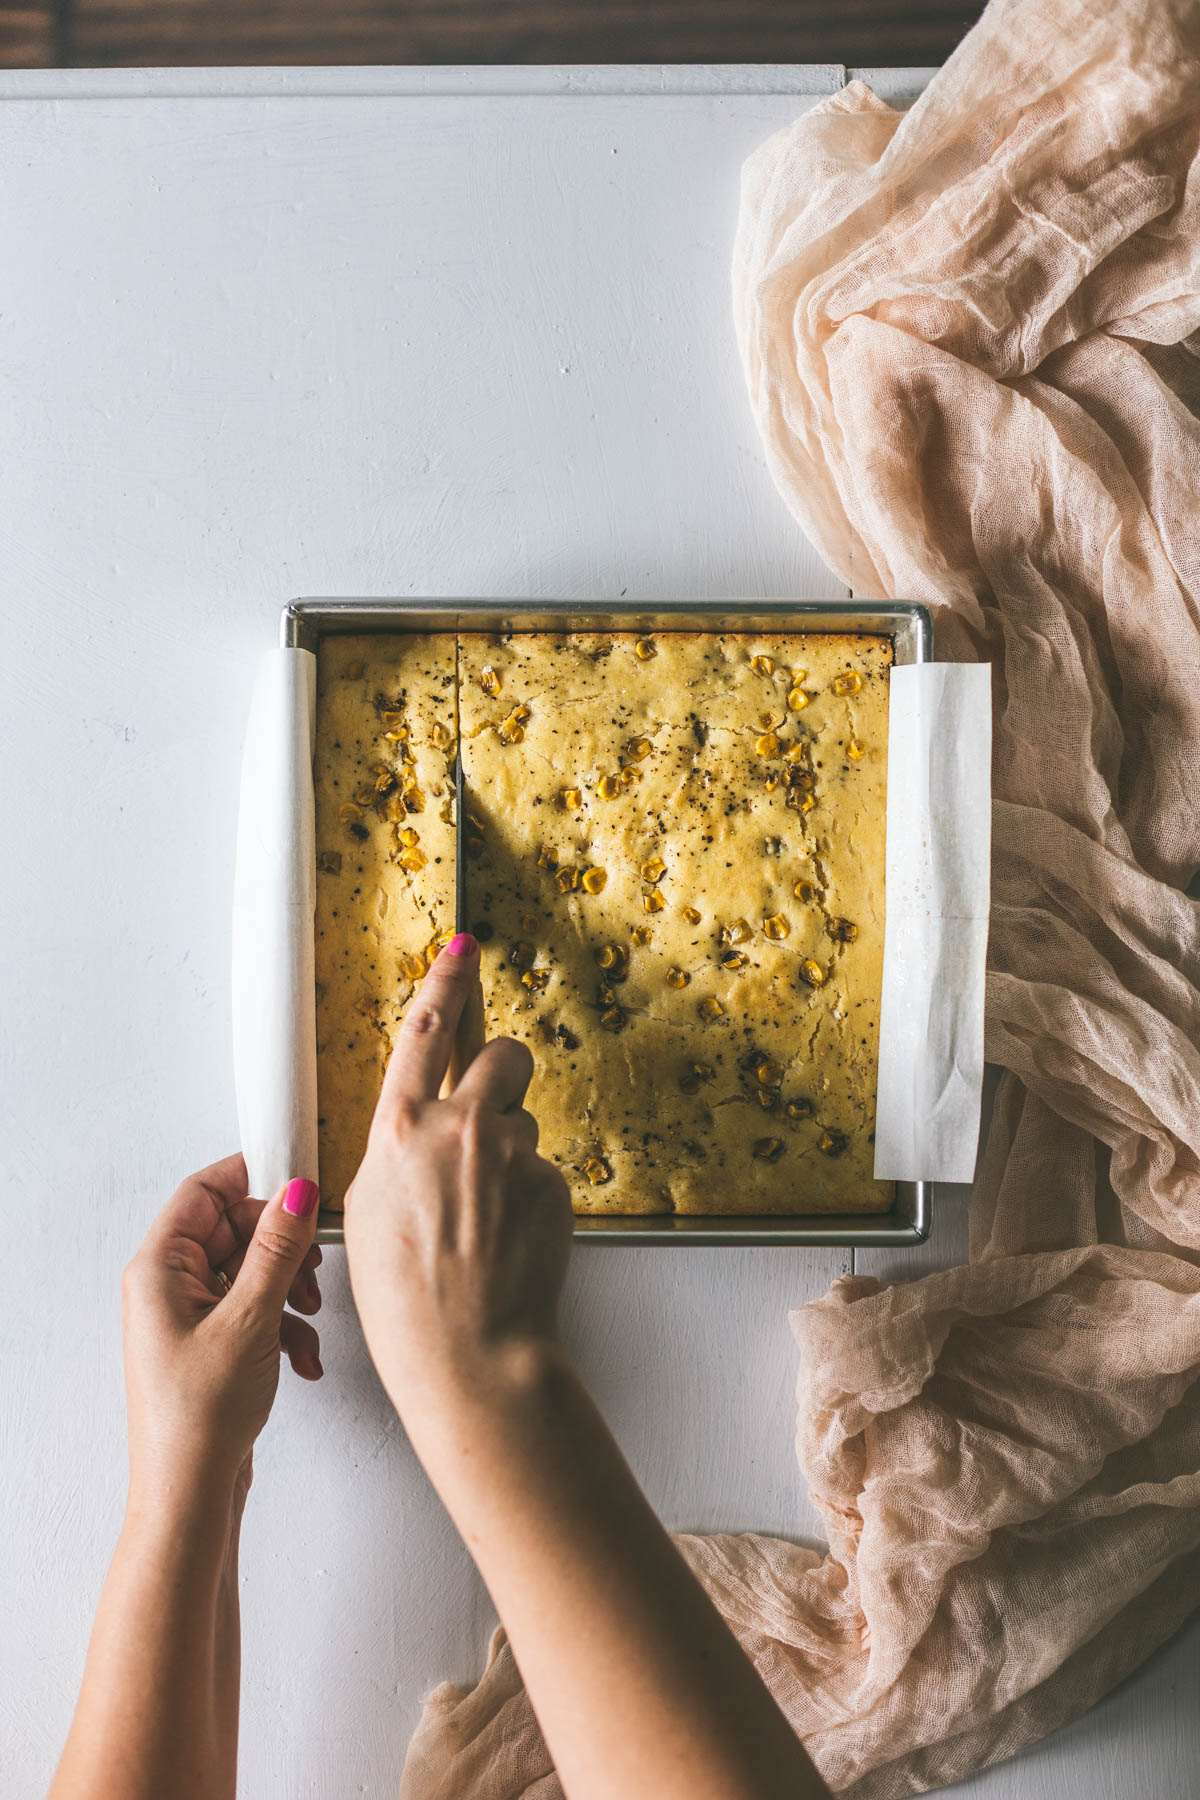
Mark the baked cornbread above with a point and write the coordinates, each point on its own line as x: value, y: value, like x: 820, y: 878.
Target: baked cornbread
x: 679, y: 886
x: 383, y: 773
x: 677, y: 879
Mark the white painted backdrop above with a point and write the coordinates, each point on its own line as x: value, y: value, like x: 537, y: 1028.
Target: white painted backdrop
x: 271, y: 333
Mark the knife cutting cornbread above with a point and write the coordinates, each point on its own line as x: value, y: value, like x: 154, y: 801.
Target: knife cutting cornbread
x: 677, y: 880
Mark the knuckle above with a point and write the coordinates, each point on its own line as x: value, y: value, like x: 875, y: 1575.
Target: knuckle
x: 274, y: 1245
x: 426, y: 1019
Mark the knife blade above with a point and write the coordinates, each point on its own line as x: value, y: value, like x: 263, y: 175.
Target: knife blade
x: 469, y: 1037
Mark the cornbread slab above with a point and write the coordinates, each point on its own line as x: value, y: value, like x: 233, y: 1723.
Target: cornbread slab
x: 725, y: 1060
x: 705, y: 1032
x: 384, y: 775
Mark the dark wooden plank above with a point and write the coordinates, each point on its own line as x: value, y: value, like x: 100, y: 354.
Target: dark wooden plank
x: 175, y: 32
x: 27, y: 36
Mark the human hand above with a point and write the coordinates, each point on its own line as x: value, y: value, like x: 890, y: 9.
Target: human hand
x: 457, y: 1232
x: 202, y: 1352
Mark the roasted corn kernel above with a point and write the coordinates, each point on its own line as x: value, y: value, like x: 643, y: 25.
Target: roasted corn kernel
x: 398, y: 736
x: 831, y: 1142
x: 412, y: 964
x: 763, y: 665
x: 413, y: 860
x: 330, y: 862
x: 395, y: 810
x: 767, y: 744
x: 768, y: 1073
x: 652, y: 900
x: 799, y: 1109
x: 676, y: 977
x: 733, y: 959
x: 767, y: 1098
x: 593, y: 880
x: 394, y: 721
x: 737, y: 933
x: 795, y: 753
x: 653, y: 869
x: 768, y: 1149
x: 546, y: 858
x: 776, y: 927
x: 639, y: 748
x: 812, y: 972
x: 640, y: 934
x: 349, y: 811
x: 710, y: 1009
x: 364, y: 796
x: 444, y: 937
x: 614, y: 958
x: 570, y: 799
x: 489, y: 681
x: 855, y: 751
x: 797, y: 699
x: 508, y: 733
x: 645, y: 648
x: 440, y: 736
x: 608, y: 787
x: 536, y: 980
x: 842, y: 931
x: 612, y: 1019
x: 848, y: 682
x: 691, y: 915
x: 567, y: 880
x: 408, y: 837
x: 805, y: 891
x: 597, y: 1171
x: 629, y: 775
x: 522, y: 955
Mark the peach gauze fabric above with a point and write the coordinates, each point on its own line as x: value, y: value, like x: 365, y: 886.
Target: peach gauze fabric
x: 967, y: 337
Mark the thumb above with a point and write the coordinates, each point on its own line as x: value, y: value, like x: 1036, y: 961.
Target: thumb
x: 282, y: 1238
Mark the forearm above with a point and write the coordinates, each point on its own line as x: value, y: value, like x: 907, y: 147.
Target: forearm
x: 157, y: 1711
x: 638, y: 1684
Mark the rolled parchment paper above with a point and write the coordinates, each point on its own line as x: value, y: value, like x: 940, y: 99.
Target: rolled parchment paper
x: 939, y: 837
x: 274, y: 902
x: 938, y: 864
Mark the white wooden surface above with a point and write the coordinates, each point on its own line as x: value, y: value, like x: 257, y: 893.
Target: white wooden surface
x: 267, y: 333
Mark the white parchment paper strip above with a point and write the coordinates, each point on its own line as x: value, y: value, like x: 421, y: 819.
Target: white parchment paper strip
x: 274, y: 899
x: 935, y: 943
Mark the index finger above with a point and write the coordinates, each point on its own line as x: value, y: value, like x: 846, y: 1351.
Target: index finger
x: 200, y: 1206
x: 421, y: 1052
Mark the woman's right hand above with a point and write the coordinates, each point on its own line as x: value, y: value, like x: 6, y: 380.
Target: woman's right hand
x: 457, y: 1232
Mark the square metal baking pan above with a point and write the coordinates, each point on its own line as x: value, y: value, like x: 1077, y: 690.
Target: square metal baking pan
x: 909, y: 626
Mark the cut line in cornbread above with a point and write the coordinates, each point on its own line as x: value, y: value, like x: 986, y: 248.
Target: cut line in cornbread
x: 677, y: 877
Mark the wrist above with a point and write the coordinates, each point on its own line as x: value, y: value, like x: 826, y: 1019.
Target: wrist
x: 188, y: 1501
x: 477, y: 1402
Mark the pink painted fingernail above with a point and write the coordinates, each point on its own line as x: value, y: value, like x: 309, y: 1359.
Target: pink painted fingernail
x: 300, y: 1197
x: 462, y: 945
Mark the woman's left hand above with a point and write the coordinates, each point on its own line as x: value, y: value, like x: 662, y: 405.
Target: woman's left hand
x: 204, y: 1324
